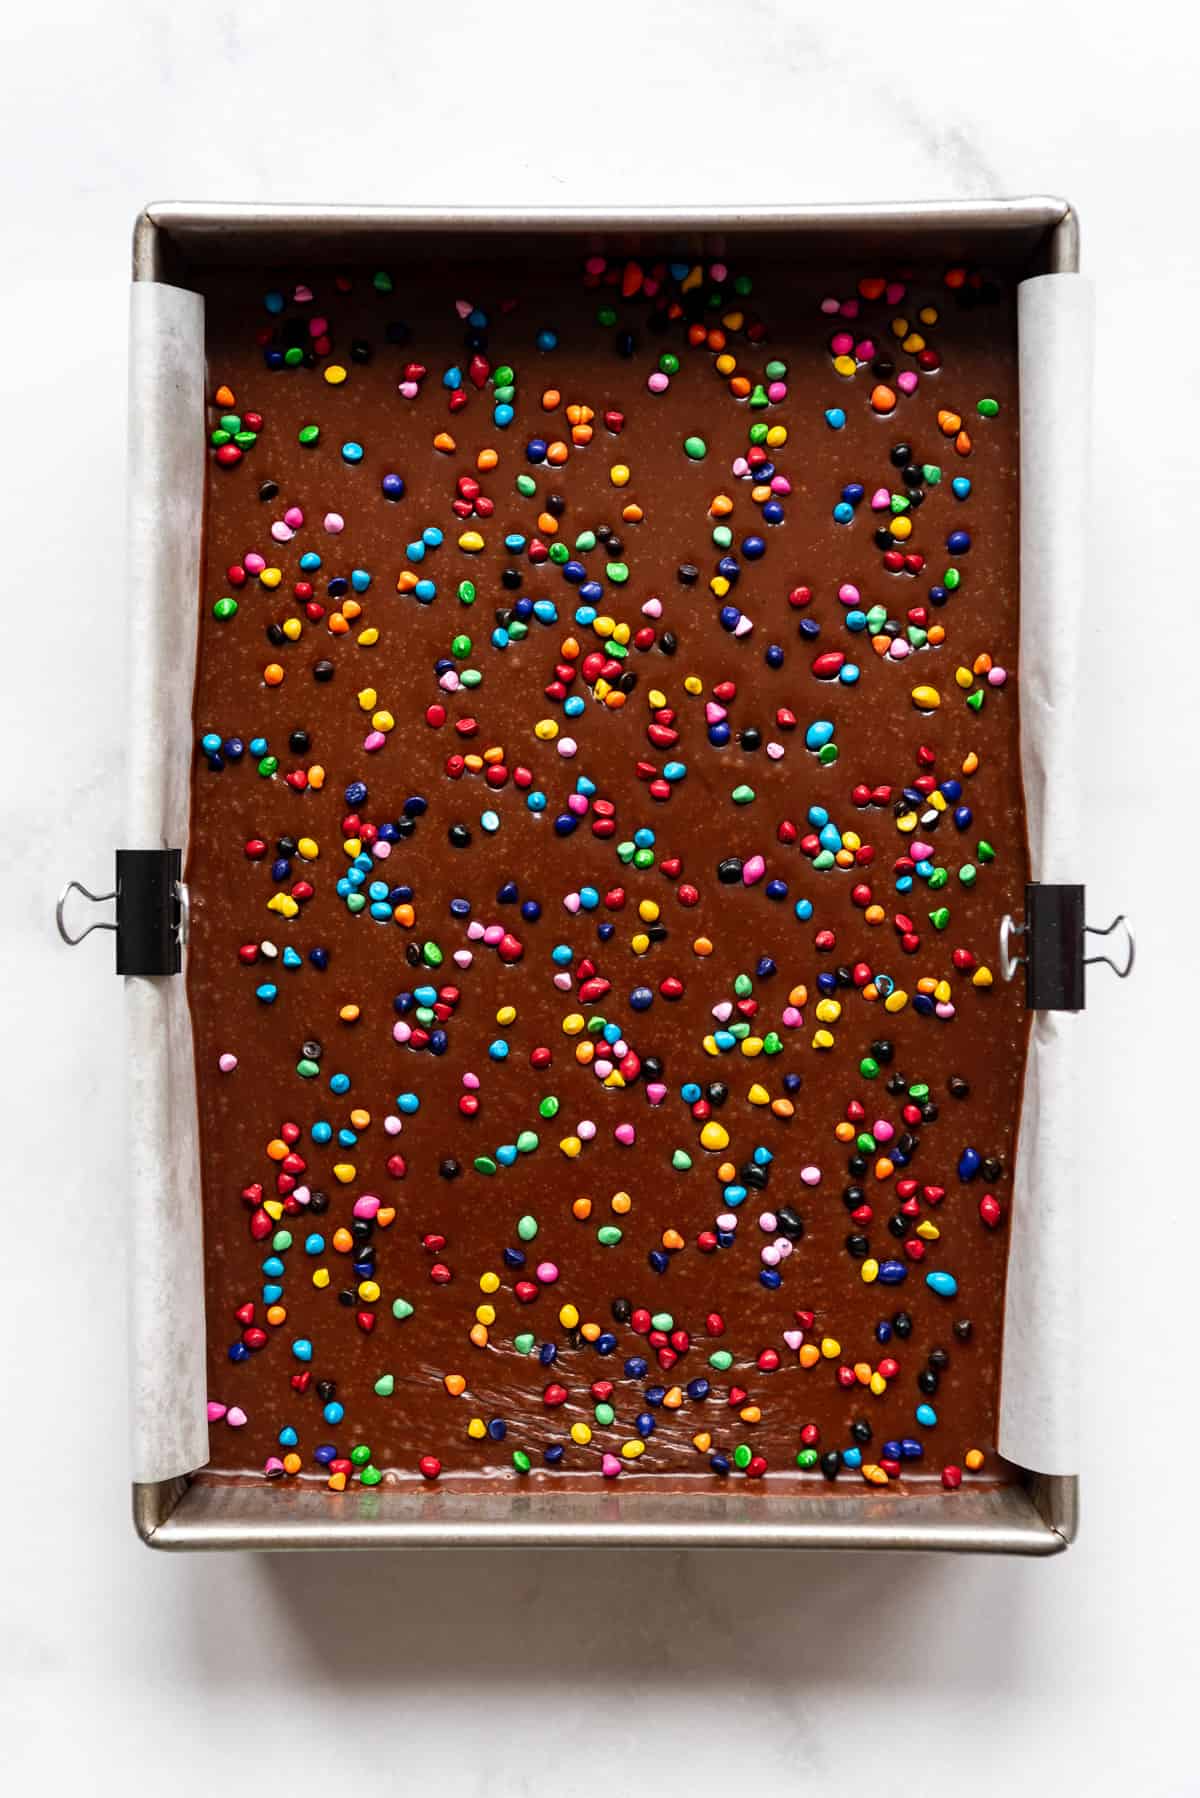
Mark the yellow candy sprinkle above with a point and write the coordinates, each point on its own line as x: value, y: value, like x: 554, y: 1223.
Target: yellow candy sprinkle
x: 869, y: 1272
x: 335, y: 374
x: 568, y: 1316
x: 581, y: 1434
x: 631, y: 1450
x: 714, y: 1136
x: 320, y: 1278
x: 829, y: 1010
x: 344, y: 1172
x: 926, y: 699
x: 368, y: 1291
x: 489, y: 1282
x: 618, y: 474
x: 570, y: 1146
x: 982, y: 977
x: 477, y: 1429
x: 470, y: 542
x: 822, y: 1039
x: 831, y: 1348
x: 573, y: 1023
x: 307, y: 847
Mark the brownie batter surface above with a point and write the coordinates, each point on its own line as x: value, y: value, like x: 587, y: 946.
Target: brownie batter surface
x: 601, y: 1070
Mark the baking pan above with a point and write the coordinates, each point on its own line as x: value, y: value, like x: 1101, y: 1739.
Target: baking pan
x: 172, y: 243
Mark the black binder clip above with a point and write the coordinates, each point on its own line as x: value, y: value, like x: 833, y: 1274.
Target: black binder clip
x: 150, y: 911
x: 1054, y: 928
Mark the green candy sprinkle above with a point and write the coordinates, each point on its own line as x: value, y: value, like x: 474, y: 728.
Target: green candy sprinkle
x: 360, y: 1454
x: 527, y: 1142
x: 722, y: 536
x: 742, y: 1455
x: 757, y: 434
x: 985, y: 851
x: 504, y: 376
x: 521, y: 1461
x: 695, y: 448
x: 370, y: 1476
x: 668, y: 363
x: 586, y: 540
x: 606, y: 315
x: 987, y: 408
x: 524, y: 1343
x: 281, y: 1240
x: 484, y: 1164
x: 967, y: 874
x: 827, y: 754
x: 617, y: 572
x: 721, y: 1360
x: 548, y: 1107
x: 662, y: 1320
x: 932, y: 473
x: 681, y: 1161
x: 526, y: 486
x: 307, y: 1070
x: 951, y: 579
x: 527, y: 1227
x: 268, y: 766
x: 868, y: 1067
x: 940, y: 918
x: 937, y: 880
x: 293, y: 357
x: 604, y: 1414
x: 466, y: 592
x: 401, y: 1309
x: 385, y: 1385
x: 381, y: 281
x: 559, y: 553
x: 609, y: 1235
x: 225, y: 608
x: 308, y: 435
x: 807, y: 1457
x: 975, y: 700
x: 742, y: 795
x: 460, y: 647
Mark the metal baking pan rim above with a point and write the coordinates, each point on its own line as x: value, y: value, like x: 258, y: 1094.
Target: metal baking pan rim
x: 1043, y: 221
x: 1037, y: 1517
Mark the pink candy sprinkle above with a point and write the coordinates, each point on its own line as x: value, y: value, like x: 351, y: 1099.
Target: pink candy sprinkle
x: 658, y: 383
x: 227, y: 1062
x: 810, y: 1175
x: 546, y: 1272
x: 626, y: 1135
x: 334, y: 522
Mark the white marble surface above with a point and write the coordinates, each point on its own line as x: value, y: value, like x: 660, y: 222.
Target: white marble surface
x: 505, y: 1674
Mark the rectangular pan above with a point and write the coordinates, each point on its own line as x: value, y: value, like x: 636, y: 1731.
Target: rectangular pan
x: 1035, y: 1517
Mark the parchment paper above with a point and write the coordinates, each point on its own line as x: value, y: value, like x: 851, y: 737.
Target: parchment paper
x: 166, y: 504
x: 1038, y: 1423
x: 1039, y: 1393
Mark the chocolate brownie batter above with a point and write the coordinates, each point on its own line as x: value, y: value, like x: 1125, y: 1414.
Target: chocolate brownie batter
x: 734, y: 774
